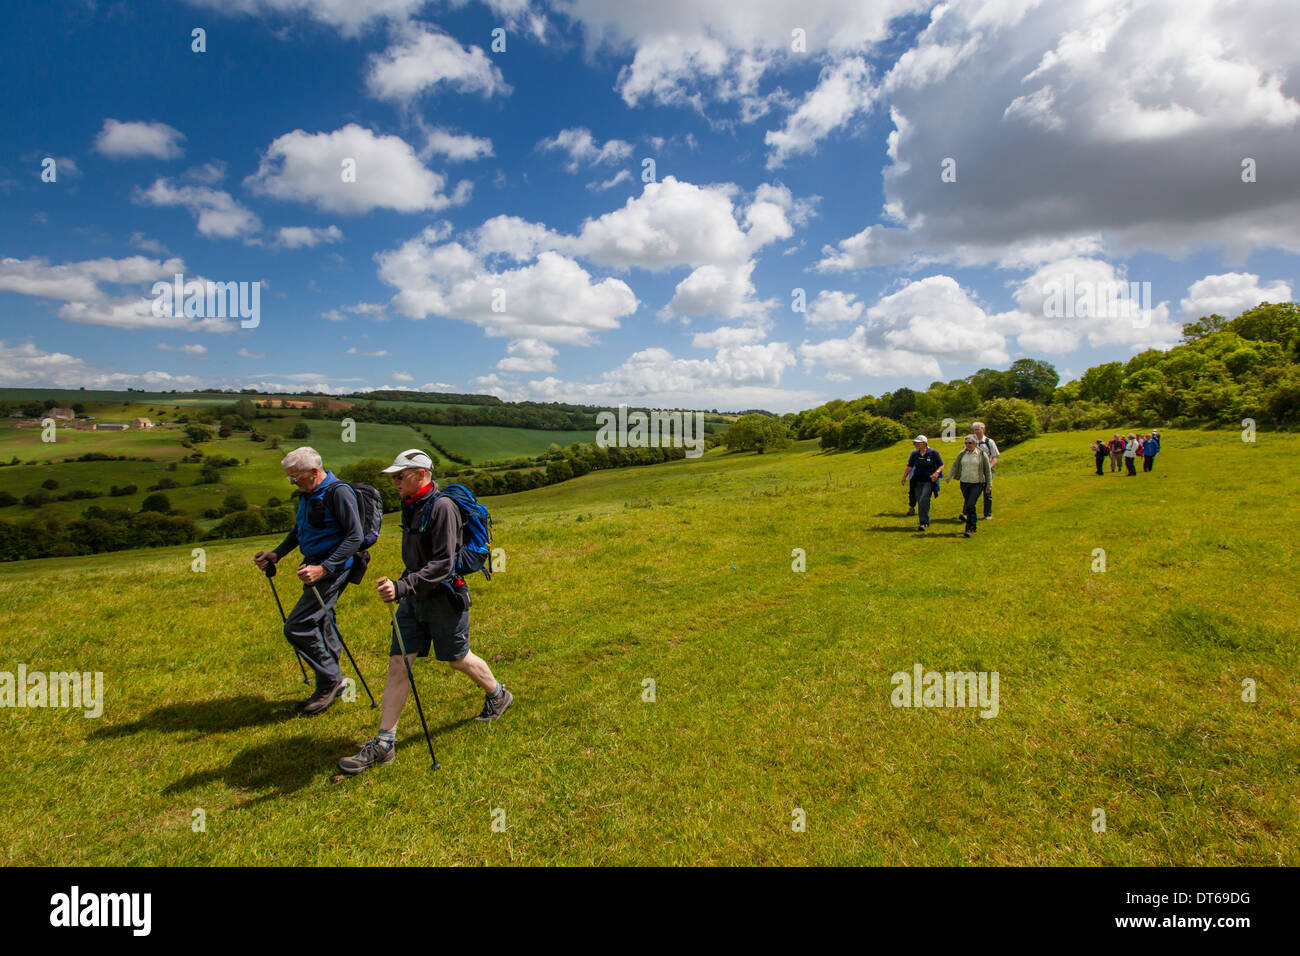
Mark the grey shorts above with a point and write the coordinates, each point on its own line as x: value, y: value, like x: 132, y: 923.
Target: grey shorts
x: 432, y: 623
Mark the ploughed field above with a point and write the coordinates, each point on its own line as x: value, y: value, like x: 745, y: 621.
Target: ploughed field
x: 773, y: 691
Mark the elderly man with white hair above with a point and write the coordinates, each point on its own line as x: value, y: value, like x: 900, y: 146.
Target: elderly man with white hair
x: 990, y: 448
x: 328, y: 532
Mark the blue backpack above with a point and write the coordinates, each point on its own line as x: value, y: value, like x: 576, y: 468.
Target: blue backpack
x: 476, y: 531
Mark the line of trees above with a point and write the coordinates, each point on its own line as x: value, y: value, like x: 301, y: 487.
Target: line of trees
x: 1222, y: 372
x: 98, y: 530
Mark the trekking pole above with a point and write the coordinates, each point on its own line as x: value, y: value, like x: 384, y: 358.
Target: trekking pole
x: 297, y: 654
x: 339, y: 633
x: 410, y: 679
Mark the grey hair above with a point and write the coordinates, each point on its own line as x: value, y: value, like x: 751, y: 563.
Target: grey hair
x: 974, y: 425
x: 302, y: 459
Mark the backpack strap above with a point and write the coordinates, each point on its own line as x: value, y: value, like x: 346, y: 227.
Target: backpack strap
x: 423, y: 528
x: 333, y: 490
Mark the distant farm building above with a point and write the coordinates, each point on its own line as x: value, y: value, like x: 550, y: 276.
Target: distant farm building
x: 61, y: 414
x: 141, y: 423
x: 115, y: 427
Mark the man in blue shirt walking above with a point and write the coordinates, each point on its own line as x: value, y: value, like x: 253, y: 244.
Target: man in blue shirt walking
x: 328, y: 532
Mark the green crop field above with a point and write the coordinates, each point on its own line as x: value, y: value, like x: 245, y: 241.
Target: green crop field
x: 481, y: 443
x: 1162, y: 690
x: 260, y: 479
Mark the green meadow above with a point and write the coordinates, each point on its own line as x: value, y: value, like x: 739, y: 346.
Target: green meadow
x: 259, y: 479
x: 683, y: 695
x: 480, y: 443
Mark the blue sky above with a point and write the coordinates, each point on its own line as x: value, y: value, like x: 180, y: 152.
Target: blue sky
x: 504, y: 234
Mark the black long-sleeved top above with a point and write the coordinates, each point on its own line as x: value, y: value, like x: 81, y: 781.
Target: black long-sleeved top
x: 429, y: 553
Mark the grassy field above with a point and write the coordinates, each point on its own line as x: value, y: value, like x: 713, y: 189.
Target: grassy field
x: 1120, y: 690
x: 259, y: 479
x: 481, y: 443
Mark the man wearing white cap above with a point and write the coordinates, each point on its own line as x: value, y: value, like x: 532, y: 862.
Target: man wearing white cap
x: 431, y: 614
x: 923, y: 469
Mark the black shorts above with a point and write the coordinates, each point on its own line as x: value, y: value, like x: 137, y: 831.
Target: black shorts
x: 435, y: 623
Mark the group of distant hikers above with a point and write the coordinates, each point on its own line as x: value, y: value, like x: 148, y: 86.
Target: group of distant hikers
x: 1128, y: 451
x: 973, y: 469
x: 335, y: 522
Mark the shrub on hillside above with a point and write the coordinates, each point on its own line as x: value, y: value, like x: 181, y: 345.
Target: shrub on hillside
x: 276, y: 520
x: 156, y: 502
x: 1284, y: 400
x: 758, y: 433
x: 1008, y: 421
x: 150, y: 530
x: 241, y: 524
x: 78, y: 494
x: 881, y: 433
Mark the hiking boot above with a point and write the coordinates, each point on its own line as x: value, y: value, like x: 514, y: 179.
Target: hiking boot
x: 322, y: 699
x: 494, y: 707
x: 910, y: 512
x: 965, y: 534
x: 374, y: 753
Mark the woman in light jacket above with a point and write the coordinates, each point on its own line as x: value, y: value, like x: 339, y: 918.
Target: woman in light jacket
x: 972, y: 469
x: 1130, y: 454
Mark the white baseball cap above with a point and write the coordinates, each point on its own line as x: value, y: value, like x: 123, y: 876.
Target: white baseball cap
x: 920, y: 438
x: 411, y: 458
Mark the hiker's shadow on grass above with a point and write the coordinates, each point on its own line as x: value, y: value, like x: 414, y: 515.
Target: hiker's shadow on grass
x: 281, y: 768
x: 435, y: 732
x: 910, y: 529
x: 202, y: 717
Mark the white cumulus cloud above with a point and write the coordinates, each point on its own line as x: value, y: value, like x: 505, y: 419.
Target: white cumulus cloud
x: 309, y: 167
x: 132, y: 140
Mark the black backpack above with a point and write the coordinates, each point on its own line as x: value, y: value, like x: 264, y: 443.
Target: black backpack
x: 371, y: 505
